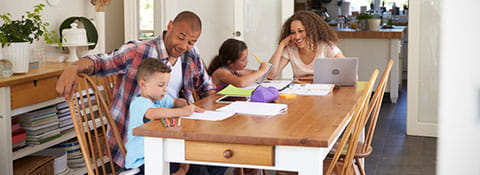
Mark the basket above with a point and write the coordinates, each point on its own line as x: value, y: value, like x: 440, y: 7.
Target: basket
x: 34, y: 165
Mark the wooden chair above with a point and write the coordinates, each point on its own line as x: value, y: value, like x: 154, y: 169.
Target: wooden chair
x: 349, y: 139
x: 87, y: 106
x: 108, y: 83
x: 342, y: 163
x: 365, y: 148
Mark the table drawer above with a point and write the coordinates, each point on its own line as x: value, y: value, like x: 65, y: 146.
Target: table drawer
x: 229, y: 153
x: 32, y: 92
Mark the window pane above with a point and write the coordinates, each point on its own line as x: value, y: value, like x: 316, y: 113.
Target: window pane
x: 146, y: 14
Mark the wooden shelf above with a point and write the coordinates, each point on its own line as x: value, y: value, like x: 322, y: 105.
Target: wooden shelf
x: 35, y: 148
x: 36, y: 106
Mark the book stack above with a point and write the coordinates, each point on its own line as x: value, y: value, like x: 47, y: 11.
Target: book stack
x: 41, y: 125
x: 65, y: 123
x: 19, y: 135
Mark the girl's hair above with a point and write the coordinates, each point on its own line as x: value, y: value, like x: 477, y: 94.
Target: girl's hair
x: 230, y: 50
x: 316, y: 28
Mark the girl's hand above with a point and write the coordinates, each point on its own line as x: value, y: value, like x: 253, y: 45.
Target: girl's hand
x: 263, y: 67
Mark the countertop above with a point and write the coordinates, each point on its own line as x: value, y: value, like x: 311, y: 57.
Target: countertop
x: 396, y: 33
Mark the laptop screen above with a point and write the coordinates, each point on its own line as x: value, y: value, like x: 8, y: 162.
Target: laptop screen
x: 338, y: 71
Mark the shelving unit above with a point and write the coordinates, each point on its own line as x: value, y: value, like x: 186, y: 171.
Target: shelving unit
x: 23, y: 93
x: 33, y: 149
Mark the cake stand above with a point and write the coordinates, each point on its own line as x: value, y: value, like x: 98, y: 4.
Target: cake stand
x: 72, y: 49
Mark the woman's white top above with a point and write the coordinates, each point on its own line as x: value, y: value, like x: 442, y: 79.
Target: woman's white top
x: 301, y: 69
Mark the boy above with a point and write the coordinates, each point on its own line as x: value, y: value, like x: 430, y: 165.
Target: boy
x: 152, y: 103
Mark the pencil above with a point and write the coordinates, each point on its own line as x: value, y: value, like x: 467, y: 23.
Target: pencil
x: 257, y: 58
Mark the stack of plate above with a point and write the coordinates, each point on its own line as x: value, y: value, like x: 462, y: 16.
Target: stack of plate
x: 74, y: 155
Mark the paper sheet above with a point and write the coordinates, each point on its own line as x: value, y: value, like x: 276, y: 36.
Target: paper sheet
x: 210, y: 115
x: 309, y: 89
x: 255, y: 108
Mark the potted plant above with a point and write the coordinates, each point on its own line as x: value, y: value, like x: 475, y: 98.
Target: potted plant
x: 16, y: 37
x: 374, y: 22
x: 363, y: 20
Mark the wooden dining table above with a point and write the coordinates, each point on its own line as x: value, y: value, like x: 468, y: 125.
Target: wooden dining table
x: 297, y: 140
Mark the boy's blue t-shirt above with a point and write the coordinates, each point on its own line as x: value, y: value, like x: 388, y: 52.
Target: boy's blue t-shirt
x: 135, y: 145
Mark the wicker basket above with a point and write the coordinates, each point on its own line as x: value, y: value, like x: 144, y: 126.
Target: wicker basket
x: 34, y: 165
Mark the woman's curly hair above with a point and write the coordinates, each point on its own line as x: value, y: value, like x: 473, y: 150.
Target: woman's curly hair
x: 316, y: 28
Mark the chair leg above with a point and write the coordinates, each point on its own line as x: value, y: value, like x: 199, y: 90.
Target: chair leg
x: 359, y: 164
x: 264, y: 172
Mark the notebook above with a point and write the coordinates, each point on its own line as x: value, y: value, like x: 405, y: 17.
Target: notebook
x: 264, y: 77
x: 338, y: 71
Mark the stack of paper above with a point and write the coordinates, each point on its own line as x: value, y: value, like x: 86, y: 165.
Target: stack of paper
x: 254, y: 108
x: 309, y: 89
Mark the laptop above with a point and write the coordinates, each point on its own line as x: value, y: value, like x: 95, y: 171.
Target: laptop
x: 338, y: 71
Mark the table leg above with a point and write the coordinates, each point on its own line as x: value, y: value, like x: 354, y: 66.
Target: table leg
x: 155, y: 163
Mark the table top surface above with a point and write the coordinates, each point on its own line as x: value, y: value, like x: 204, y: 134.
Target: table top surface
x: 44, y: 70
x: 310, y: 121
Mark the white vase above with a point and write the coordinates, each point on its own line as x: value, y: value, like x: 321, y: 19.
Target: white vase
x: 19, y: 54
x: 373, y: 24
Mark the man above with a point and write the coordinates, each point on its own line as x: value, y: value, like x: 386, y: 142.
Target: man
x: 174, y: 47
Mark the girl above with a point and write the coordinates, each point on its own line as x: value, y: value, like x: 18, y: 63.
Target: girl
x: 304, y: 37
x: 228, y: 67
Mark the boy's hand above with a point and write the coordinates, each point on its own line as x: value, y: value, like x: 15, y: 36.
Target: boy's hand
x: 188, y: 110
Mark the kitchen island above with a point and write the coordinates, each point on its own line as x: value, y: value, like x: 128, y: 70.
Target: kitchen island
x: 374, y: 49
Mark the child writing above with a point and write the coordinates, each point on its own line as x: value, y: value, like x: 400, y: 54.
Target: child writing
x: 152, y: 103
x: 228, y: 67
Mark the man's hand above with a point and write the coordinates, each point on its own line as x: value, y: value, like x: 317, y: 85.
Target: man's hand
x: 67, y: 83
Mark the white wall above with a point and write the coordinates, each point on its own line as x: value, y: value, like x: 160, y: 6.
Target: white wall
x: 114, y: 25
x: 423, y: 62
x: 459, y: 105
x: 51, y: 14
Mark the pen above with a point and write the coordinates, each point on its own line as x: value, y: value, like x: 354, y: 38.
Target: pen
x: 257, y: 58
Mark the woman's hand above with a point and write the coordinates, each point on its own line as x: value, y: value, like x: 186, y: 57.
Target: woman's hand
x: 287, y: 41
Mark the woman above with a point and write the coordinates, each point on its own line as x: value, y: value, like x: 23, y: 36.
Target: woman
x: 304, y: 37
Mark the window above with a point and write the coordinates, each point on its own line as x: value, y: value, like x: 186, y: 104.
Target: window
x: 145, y: 19
x: 355, y: 4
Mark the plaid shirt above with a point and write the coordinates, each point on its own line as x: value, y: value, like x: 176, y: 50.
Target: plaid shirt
x: 124, y: 62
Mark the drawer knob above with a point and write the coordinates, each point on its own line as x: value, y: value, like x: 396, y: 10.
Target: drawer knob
x: 228, y: 153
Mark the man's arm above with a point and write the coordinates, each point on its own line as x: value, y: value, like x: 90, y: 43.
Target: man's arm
x: 67, y: 83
